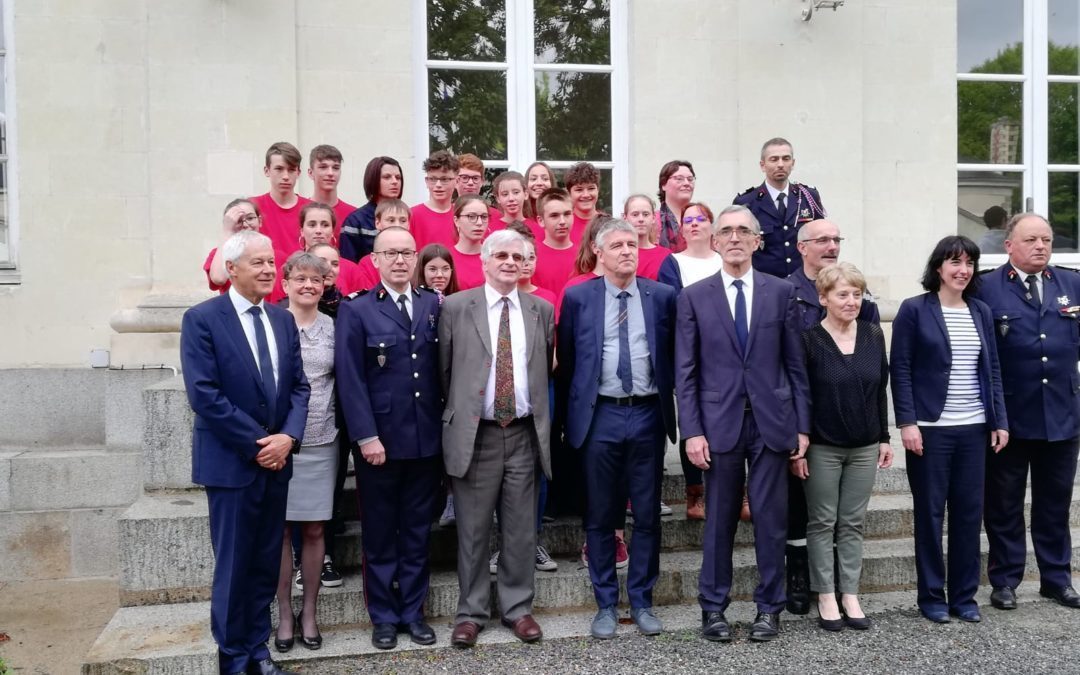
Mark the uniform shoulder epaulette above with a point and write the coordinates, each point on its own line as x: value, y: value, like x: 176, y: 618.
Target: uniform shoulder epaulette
x: 356, y: 294
x: 425, y: 289
x: 1066, y: 269
x: 747, y: 190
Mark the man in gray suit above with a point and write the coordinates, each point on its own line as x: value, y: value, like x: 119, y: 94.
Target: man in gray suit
x: 495, y: 354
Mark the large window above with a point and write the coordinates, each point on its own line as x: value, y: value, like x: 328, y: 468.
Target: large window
x: 8, y: 232
x: 1017, y: 117
x: 514, y: 81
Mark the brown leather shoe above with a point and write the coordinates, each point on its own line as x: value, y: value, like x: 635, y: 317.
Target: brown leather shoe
x: 695, y: 502
x: 744, y: 514
x: 525, y: 628
x: 465, y: 634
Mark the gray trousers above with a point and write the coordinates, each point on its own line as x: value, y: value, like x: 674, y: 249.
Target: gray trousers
x: 837, y: 493
x: 504, y: 471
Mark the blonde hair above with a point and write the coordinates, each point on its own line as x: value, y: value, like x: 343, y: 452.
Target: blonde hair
x: 837, y: 273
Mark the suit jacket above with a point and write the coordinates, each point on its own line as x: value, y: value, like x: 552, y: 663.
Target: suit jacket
x: 581, y: 346
x: 388, y: 372
x: 810, y: 310
x: 1038, y: 347
x: 921, y: 359
x: 465, y: 358
x: 778, y: 255
x: 225, y: 391
x: 714, y: 383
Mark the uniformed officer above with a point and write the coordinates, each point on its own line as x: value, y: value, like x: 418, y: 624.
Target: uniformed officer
x: 781, y: 207
x: 1035, y: 308
x: 819, y: 247
x: 387, y: 372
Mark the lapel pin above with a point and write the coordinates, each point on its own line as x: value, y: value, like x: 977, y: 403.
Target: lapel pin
x: 382, y: 355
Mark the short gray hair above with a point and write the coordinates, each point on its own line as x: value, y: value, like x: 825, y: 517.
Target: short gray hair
x: 613, y: 225
x: 738, y: 208
x: 302, y: 260
x: 499, y: 240
x: 778, y: 140
x: 235, y: 246
x: 1015, y: 220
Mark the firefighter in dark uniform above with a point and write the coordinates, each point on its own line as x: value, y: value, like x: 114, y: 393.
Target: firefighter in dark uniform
x: 1035, y: 308
x: 387, y: 362
x: 781, y: 208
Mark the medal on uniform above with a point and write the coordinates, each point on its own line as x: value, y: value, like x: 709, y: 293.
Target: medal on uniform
x: 1063, y: 300
x: 381, y: 358
x: 431, y: 320
x: 1003, y: 325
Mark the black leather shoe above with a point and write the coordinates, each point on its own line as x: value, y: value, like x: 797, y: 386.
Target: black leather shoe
x: 1065, y: 595
x: 766, y: 627
x: 936, y: 615
x: 420, y: 633
x: 267, y: 667
x: 1003, y: 597
x: 715, y: 627
x: 798, y: 580
x: 967, y: 615
x: 833, y: 625
x: 384, y: 636
x: 857, y: 623
x: 285, y: 645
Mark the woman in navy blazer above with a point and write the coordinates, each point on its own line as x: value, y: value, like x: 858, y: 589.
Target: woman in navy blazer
x: 949, y: 405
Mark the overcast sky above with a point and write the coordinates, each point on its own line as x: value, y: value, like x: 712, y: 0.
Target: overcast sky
x: 988, y: 26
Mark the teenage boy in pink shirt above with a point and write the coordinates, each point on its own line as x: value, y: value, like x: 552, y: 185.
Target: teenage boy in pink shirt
x: 280, y: 207
x: 583, y: 183
x: 432, y: 221
x: 324, y: 170
x: 556, y: 254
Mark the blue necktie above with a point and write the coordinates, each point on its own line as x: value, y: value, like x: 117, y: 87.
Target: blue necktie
x: 266, y: 366
x: 623, y: 370
x: 742, y: 331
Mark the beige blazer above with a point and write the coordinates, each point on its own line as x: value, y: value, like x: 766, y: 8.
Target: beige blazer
x: 465, y: 358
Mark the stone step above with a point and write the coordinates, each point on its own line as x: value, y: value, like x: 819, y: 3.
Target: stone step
x: 166, y: 640
x: 165, y: 553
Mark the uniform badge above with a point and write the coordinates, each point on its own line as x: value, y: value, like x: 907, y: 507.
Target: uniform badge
x: 1070, y: 311
x: 805, y: 213
x: 431, y: 320
x: 381, y: 358
x: 1063, y: 300
x: 1003, y: 325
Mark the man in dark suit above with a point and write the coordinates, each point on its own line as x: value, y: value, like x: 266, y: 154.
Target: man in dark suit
x: 387, y: 360
x: 819, y: 247
x: 744, y: 401
x: 245, y: 382
x: 495, y: 353
x: 616, y: 352
x: 781, y: 208
x: 1035, y: 308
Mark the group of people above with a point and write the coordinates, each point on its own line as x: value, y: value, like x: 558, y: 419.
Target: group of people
x: 486, y: 351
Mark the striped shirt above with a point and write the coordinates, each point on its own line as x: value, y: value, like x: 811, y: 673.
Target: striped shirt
x: 963, y: 401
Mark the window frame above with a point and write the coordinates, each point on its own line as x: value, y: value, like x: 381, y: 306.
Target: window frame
x: 9, y: 269
x: 521, y: 68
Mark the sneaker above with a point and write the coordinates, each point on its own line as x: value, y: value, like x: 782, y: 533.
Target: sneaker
x: 493, y: 564
x: 448, y: 517
x: 329, y: 577
x: 544, y: 563
x: 665, y: 510
x: 622, y: 556
x: 298, y: 581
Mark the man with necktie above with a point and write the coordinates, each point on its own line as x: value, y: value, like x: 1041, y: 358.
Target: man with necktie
x: 245, y: 382
x: 1035, y: 308
x: 387, y: 362
x: 781, y: 207
x: 744, y: 406
x: 495, y: 353
x: 616, y: 352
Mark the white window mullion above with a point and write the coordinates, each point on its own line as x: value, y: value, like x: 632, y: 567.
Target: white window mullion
x: 420, y: 99
x: 525, y: 152
x: 1036, y: 128
x: 620, y: 102
x: 513, y: 79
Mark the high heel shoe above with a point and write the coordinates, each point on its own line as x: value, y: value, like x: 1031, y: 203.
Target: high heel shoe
x: 311, y: 643
x: 285, y: 645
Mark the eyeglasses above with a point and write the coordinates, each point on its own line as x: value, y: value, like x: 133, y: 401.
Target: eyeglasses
x: 503, y: 255
x: 301, y: 279
x: 687, y: 220
x: 249, y: 219
x: 741, y: 232
x: 475, y: 217
x: 469, y: 179
x: 392, y: 255
x: 438, y: 180
x: 683, y: 179
x: 823, y: 241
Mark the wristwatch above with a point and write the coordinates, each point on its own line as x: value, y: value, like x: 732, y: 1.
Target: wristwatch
x: 295, y: 449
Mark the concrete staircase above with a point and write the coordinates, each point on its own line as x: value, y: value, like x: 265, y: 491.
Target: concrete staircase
x: 166, y: 565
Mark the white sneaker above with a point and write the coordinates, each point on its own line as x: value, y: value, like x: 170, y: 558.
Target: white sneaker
x: 544, y: 562
x: 665, y: 510
x: 298, y: 581
x: 493, y: 564
x: 448, y: 517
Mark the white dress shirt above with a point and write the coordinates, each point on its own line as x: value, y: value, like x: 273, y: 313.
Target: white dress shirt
x: 522, y: 402
x: 732, y: 293
x: 247, y: 322
x: 395, y: 295
x: 1038, y: 281
x: 774, y: 193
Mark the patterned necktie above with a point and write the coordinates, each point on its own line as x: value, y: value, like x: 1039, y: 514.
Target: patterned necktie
x: 266, y: 365
x: 742, y: 330
x: 505, y: 407
x: 1033, y: 289
x: 404, y: 308
x: 781, y: 207
x: 623, y: 369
